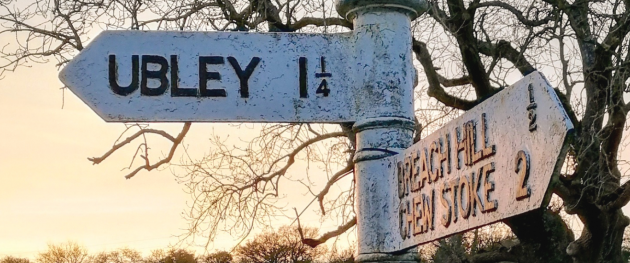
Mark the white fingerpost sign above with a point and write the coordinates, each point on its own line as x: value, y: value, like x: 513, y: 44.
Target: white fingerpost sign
x: 493, y: 162
x: 161, y: 76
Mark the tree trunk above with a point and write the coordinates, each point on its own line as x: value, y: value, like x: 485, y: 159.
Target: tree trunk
x: 601, y: 238
x: 543, y: 236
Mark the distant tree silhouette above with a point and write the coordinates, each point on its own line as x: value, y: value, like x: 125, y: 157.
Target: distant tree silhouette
x: 179, y: 256
x: 340, y: 256
x: 122, y: 255
x: 282, y: 246
x: 10, y: 259
x: 156, y: 256
x: 69, y: 252
x: 217, y: 257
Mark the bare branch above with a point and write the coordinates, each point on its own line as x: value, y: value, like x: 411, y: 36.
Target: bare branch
x: 435, y: 88
x: 517, y: 13
x: 461, y: 25
x: 323, y: 238
x: 338, y: 175
x: 290, y: 160
x: 618, y: 199
x: 504, y: 49
x: 176, y: 141
x: 97, y: 160
x: 195, y: 7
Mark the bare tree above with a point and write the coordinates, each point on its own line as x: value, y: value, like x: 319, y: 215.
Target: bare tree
x: 171, y: 255
x: 68, y: 252
x: 122, y: 255
x: 584, y: 43
x: 283, y: 246
x: 336, y: 255
x: 10, y: 259
x: 156, y: 256
x: 466, y: 51
x: 216, y: 257
x: 179, y: 255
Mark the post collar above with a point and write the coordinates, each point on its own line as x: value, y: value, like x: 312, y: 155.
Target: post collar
x: 413, y: 8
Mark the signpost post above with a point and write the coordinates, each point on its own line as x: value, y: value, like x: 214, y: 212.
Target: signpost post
x: 493, y: 162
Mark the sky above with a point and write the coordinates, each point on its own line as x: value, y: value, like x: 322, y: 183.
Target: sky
x: 50, y: 193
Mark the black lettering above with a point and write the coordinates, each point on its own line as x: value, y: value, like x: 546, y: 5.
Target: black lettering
x: 464, y: 199
x: 150, y: 74
x: 454, y: 186
x: 424, y: 168
x: 433, y: 151
x: 487, y: 150
x: 488, y: 186
x: 415, y: 171
x: 175, y: 90
x: 324, y: 74
x: 303, y: 74
x: 418, y: 227
x: 401, y: 221
x: 446, y: 204
x: 428, y: 206
x: 405, y: 215
x: 204, y: 76
x: 113, y: 76
x: 471, y: 134
x: 460, y: 146
x: 409, y: 218
x: 521, y: 167
x: 475, y: 183
x: 444, y: 155
x: 323, y: 88
x: 243, y: 76
x: 407, y: 174
x: 531, y: 109
x: 401, y: 180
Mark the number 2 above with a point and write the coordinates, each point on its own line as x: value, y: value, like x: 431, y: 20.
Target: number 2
x: 522, y: 189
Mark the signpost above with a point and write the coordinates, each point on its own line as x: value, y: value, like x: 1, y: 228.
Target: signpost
x: 215, y: 76
x: 493, y: 162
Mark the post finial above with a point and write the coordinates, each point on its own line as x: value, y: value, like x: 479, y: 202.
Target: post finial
x: 348, y: 8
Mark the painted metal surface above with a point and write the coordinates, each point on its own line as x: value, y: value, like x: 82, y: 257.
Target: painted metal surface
x: 385, y: 75
x: 493, y: 162
x: 216, y: 76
